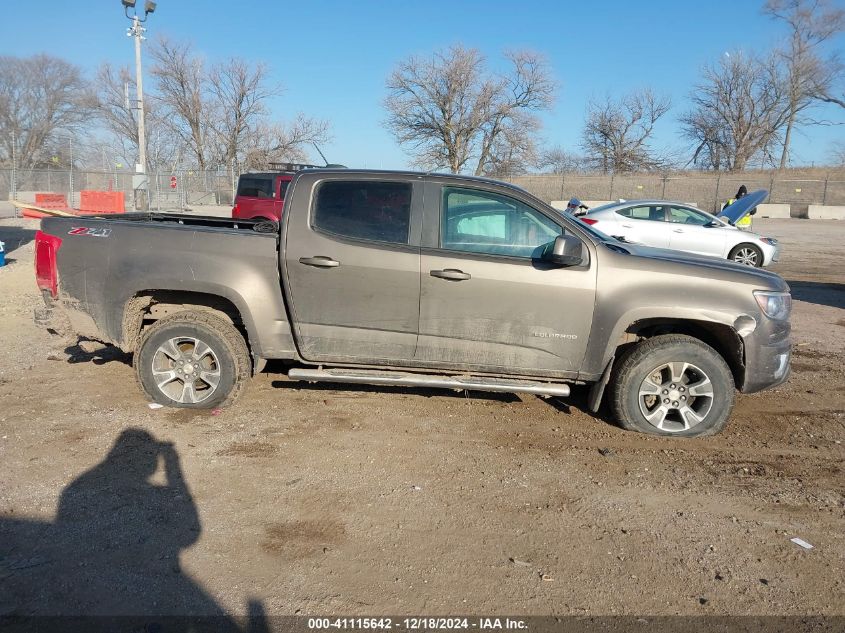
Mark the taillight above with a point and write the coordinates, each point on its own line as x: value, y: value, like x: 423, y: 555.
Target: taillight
x: 235, y: 210
x: 589, y: 221
x: 46, y: 273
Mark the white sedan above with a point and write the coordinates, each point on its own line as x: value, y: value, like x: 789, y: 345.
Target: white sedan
x: 679, y: 226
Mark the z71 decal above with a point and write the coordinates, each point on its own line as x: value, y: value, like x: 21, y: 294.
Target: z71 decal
x: 84, y: 230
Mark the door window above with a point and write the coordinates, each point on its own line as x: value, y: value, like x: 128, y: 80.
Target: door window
x: 365, y: 210
x: 681, y: 215
x: 652, y: 212
x: 482, y: 222
x: 255, y: 187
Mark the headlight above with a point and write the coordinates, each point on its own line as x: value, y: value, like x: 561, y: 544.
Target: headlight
x: 775, y: 305
x: 769, y: 240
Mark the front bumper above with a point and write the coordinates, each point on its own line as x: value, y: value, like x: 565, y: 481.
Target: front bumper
x: 768, y: 352
x: 771, y: 253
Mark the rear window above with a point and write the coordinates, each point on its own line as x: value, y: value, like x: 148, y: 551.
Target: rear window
x: 255, y: 187
x: 366, y: 210
x: 654, y: 213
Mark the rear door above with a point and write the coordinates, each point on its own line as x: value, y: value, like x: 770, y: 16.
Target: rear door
x: 690, y: 232
x: 644, y: 224
x: 352, y: 266
x: 487, y: 303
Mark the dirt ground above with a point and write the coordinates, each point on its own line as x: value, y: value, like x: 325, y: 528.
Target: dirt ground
x: 322, y: 500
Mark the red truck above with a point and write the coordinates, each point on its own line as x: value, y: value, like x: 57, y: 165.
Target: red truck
x: 261, y: 195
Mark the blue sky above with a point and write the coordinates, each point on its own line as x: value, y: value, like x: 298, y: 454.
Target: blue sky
x: 333, y: 57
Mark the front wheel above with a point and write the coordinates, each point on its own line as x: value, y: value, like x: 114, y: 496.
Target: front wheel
x: 192, y: 360
x: 672, y: 385
x: 746, y: 254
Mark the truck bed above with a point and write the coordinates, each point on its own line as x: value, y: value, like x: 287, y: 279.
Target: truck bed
x: 106, y: 262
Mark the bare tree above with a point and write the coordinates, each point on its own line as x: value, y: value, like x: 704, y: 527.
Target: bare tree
x: 830, y: 96
x: 557, y: 160
x: 181, y: 91
x: 450, y: 111
x: 239, y: 93
x: 279, y: 142
x: 739, y: 108
x: 42, y: 99
x: 837, y: 153
x: 617, y: 133
x: 811, y: 23
x: 221, y: 114
x: 118, y: 114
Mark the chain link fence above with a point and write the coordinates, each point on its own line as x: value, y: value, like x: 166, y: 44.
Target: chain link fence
x: 168, y: 191
x: 707, y: 191
x: 183, y: 189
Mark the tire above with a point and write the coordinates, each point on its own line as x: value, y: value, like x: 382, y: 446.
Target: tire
x: 655, y: 365
x: 218, y: 373
x: 747, y: 254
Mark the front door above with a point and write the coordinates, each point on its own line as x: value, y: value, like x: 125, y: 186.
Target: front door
x: 487, y: 303
x: 352, y: 267
x: 690, y: 232
x: 645, y: 224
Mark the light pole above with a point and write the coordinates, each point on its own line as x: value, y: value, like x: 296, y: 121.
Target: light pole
x: 139, y: 181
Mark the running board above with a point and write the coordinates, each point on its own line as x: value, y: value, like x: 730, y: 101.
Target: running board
x: 405, y: 379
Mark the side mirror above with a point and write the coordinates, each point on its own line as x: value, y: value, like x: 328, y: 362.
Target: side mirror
x: 564, y: 251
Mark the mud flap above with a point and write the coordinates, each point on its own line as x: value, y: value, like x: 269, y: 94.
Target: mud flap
x: 597, y: 390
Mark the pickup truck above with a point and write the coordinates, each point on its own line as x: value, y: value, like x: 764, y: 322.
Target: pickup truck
x: 433, y: 280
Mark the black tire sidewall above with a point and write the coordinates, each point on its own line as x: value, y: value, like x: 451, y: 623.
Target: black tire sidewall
x: 632, y: 374
x: 145, y: 355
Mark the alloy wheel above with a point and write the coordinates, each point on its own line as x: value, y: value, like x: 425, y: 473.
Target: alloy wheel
x: 186, y: 370
x: 675, y: 396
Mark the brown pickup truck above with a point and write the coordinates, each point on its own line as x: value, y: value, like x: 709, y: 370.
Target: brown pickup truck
x: 396, y: 278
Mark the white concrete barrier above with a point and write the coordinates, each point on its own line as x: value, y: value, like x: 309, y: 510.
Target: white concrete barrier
x: 773, y: 211
x: 826, y: 212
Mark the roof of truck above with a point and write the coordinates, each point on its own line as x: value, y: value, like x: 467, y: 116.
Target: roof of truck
x: 391, y: 172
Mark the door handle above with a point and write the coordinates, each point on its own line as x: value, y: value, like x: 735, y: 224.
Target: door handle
x: 321, y: 261
x: 451, y: 274
x: 678, y: 231
x: 628, y: 226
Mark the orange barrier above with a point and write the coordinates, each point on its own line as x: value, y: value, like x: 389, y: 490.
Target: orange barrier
x: 51, y: 201
x: 47, y: 201
x: 101, y: 202
x: 90, y: 203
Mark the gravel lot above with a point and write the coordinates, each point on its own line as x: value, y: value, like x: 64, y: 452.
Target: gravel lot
x: 322, y: 500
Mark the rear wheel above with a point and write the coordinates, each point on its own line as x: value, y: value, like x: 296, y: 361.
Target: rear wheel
x: 192, y: 360
x: 746, y: 254
x: 672, y: 385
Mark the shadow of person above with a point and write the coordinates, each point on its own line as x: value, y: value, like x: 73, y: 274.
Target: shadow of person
x: 114, y: 547
x: 85, y: 350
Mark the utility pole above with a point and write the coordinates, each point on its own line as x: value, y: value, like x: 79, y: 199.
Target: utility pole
x: 140, y: 182
x: 70, y: 178
x: 138, y: 33
x: 14, y: 192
